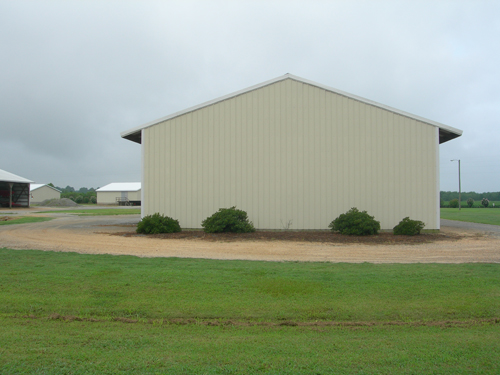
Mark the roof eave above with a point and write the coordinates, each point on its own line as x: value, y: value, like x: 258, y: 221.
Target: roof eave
x: 446, y: 135
x: 134, y: 136
x: 446, y: 132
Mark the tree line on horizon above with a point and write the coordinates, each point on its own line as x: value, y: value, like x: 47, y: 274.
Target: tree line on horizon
x: 83, y: 195
x: 449, y: 195
x: 444, y: 195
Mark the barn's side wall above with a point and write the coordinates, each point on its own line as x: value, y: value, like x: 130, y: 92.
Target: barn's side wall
x: 109, y: 197
x: 134, y: 195
x: 291, y: 155
x: 43, y: 193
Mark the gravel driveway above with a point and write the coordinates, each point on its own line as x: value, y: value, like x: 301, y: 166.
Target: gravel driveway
x: 105, y: 235
x: 493, y: 230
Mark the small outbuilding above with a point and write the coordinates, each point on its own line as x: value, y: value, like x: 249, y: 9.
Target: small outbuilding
x: 14, y: 190
x: 41, y: 192
x: 121, y: 193
x: 293, y: 154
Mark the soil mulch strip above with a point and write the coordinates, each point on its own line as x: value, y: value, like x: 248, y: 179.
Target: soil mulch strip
x: 286, y: 323
x: 384, y: 238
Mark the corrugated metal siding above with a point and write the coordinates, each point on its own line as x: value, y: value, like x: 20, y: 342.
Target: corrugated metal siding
x: 109, y: 197
x: 291, y: 152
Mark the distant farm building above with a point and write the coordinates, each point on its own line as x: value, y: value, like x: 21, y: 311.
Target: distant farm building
x: 122, y: 193
x: 14, y: 190
x: 41, y: 192
x: 294, y: 154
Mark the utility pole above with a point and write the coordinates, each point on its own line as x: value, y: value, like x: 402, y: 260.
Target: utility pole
x: 459, y: 186
x: 11, y: 184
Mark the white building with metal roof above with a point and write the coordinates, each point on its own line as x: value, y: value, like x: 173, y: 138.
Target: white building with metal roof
x: 292, y: 151
x: 41, y: 192
x: 126, y: 193
x: 14, y: 190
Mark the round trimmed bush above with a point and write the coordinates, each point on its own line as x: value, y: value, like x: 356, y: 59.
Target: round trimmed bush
x: 228, y: 220
x: 485, y: 202
x: 408, y: 227
x: 355, y: 222
x: 470, y: 202
x: 454, y: 203
x: 156, y: 223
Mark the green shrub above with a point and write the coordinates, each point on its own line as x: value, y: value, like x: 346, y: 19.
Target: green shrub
x: 454, y: 203
x: 470, y: 202
x: 228, y: 220
x: 354, y: 222
x: 485, y: 202
x: 408, y: 227
x: 156, y: 223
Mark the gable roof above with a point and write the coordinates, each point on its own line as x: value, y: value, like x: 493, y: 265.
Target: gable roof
x: 121, y: 186
x: 11, y: 177
x: 38, y: 186
x: 446, y: 132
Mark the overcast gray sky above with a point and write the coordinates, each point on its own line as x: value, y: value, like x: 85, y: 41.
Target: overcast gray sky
x: 74, y: 74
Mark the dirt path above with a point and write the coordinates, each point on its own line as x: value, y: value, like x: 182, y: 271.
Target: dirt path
x: 97, y: 235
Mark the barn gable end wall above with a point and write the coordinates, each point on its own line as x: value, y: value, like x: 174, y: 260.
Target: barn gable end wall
x: 291, y: 152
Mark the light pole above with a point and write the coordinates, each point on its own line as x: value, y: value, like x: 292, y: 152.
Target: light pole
x: 459, y: 186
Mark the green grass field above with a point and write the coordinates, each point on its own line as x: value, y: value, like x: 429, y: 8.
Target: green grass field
x: 24, y: 220
x: 473, y: 215
x: 73, y: 313
x: 99, y: 211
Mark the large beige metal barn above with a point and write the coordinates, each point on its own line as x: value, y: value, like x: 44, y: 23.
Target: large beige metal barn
x: 293, y: 154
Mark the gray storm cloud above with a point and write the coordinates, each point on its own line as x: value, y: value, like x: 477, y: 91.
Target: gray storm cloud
x: 74, y: 74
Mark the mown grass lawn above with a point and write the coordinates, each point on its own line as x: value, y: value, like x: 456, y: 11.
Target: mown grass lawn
x: 99, y: 211
x: 25, y: 219
x: 73, y: 313
x: 52, y: 347
x: 472, y: 215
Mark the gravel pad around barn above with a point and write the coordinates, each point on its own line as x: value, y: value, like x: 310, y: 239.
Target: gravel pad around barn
x: 116, y: 235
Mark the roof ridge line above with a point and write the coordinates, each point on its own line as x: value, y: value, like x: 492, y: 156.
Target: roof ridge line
x: 298, y: 79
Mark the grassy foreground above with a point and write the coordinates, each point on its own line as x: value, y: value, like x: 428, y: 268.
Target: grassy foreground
x: 472, y: 215
x: 72, y: 313
x: 52, y: 347
x: 25, y: 219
